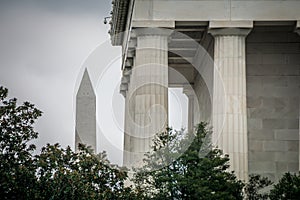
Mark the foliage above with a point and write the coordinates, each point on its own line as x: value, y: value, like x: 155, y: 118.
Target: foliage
x: 254, y: 188
x: 17, y: 168
x: 173, y: 174
x: 55, y: 173
x: 180, y: 166
x: 288, y: 187
x: 64, y: 174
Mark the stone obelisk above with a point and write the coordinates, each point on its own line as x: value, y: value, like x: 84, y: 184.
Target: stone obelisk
x: 85, y: 131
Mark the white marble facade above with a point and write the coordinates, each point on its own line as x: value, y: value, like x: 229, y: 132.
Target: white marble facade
x: 241, y: 58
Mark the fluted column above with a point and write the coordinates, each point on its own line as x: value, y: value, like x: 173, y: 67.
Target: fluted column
x: 189, y: 92
x: 148, y: 91
x: 297, y: 30
x: 127, y: 138
x: 229, y: 98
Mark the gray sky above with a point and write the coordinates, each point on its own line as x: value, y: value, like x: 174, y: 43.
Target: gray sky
x: 44, y: 46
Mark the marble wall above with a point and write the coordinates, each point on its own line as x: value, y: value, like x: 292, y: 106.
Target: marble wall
x: 273, y: 90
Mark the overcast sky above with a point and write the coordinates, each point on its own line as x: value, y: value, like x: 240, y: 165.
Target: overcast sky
x: 44, y: 47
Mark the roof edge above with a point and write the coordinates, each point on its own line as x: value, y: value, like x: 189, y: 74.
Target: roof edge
x: 119, y: 17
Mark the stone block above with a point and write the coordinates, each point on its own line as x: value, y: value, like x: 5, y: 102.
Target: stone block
x: 294, y: 102
x: 287, y: 112
x: 271, y: 48
x: 287, y: 156
x: 152, y: 23
x: 293, y: 167
x: 264, y: 69
x: 292, y: 123
x: 255, y: 124
x: 273, y: 124
x: 253, y: 60
x: 262, y: 166
x: 294, y: 81
x: 293, y: 146
x: 275, y: 81
x: 254, y: 102
x: 274, y: 146
x: 254, y: 80
x: 274, y: 102
x: 263, y: 112
x: 262, y: 134
x: 274, y: 59
x: 281, y: 166
x: 253, y: 48
x: 261, y: 36
x: 255, y: 145
x: 232, y: 24
x: 261, y: 156
x: 255, y: 91
x: 286, y: 134
x: 294, y: 58
x: 290, y: 70
x: 287, y: 92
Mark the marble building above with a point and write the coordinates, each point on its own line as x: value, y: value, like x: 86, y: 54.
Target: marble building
x: 239, y: 64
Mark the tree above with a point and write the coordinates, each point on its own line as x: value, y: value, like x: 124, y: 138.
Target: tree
x: 64, y: 174
x: 55, y: 173
x: 17, y: 169
x: 254, y: 188
x: 170, y: 173
x: 288, y: 188
x: 180, y: 166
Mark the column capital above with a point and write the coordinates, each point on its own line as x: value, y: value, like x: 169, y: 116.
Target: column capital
x: 188, y: 91
x: 152, y: 31
x: 297, y: 29
x: 123, y: 89
x: 125, y: 80
x: 240, y: 28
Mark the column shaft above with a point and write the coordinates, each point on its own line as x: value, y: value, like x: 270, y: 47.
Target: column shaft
x: 297, y: 30
x: 229, y: 99
x: 189, y: 92
x: 148, y: 91
x: 191, y: 114
x: 127, y: 137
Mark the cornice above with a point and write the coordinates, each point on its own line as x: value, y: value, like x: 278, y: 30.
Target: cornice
x: 119, y: 16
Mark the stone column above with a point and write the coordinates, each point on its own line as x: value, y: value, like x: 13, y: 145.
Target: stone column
x: 124, y: 91
x: 229, y: 97
x: 148, y: 90
x: 127, y: 138
x: 189, y: 92
x: 297, y: 30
